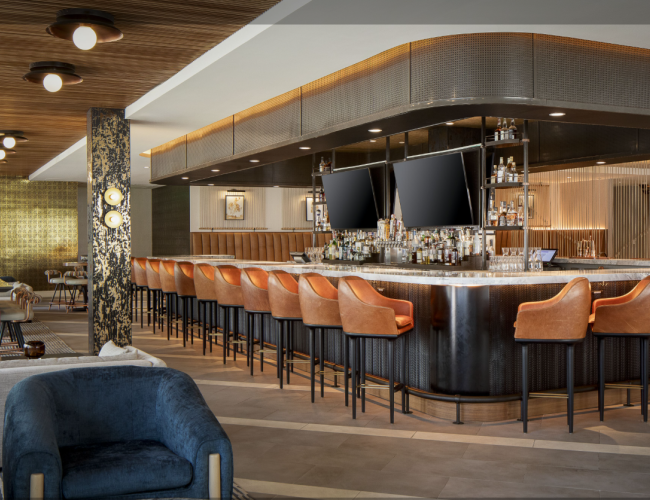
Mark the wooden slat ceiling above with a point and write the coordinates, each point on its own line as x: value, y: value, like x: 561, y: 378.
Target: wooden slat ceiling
x: 160, y: 38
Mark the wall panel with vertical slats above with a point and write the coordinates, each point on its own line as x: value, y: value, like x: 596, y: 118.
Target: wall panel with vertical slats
x: 294, y: 209
x: 213, y: 209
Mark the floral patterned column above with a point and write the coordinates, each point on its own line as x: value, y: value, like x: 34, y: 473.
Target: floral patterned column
x: 109, y: 249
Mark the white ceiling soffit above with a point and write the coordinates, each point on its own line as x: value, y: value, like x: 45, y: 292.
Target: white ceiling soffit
x: 299, y: 41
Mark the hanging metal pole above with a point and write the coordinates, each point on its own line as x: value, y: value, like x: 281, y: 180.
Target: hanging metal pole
x: 526, y: 141
x: 483, y: 194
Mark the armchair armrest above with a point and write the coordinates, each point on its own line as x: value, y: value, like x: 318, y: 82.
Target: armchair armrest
x: 187, y: 426
x: 29, y: 441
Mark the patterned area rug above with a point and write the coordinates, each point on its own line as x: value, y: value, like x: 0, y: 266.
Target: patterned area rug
x: 38, y: 331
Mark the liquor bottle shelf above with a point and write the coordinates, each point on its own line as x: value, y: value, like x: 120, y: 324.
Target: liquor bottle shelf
x: 502, y: 185
x: 320, y: 203
x: 505, y: 143
x: 320, y: 174
x: 504, y: 228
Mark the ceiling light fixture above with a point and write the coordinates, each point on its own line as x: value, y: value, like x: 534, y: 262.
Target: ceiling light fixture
x: 449, y: 123
x: 600, y: 162
x: 374, y: 130
x: 185, y: 178
x: 52, y: 74
x: 372, y: 140
x: 215, y: 170
x: 210, y: 184
x: 557, y: 114
x: 11, y: 137
x: 401, y: 142
x: 254, y: 161
x: 85, y: 27
x: 304, y: 147
x: 3, y: 154
x: 276, y: 186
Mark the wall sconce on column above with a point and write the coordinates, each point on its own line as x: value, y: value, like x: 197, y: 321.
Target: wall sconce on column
x: 113, y: 219
x: 113, y: 196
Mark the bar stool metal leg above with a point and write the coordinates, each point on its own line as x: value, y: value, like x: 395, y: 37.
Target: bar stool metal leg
x: 570, y: 349
x: 280, y: 346
x: 141, y: 307
x: 391, y: 378
x: 601, y: 378
x: 155, y: 295
x: 184, y: 299
x: 312, y: 371
x: 362, y: 372
x: 204, y: 319
x: 321, y: 355
x: 353, y: 375
x: 404, y: 375
x: 346, y: 364
x: 644, y: 375
x: 524, y: 386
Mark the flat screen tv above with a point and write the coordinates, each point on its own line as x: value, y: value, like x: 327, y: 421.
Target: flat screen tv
x: 433, y: 192
x: 350, y: 200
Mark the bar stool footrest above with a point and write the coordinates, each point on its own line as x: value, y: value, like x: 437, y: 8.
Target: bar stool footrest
x: 297, y: 361
x: 547, y: 395
x: 623, y: 386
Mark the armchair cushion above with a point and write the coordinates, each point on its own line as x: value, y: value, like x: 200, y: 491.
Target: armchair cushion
x: 121, y: 468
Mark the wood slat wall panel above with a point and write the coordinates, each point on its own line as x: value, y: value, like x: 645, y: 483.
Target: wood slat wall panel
x: 160, y: 38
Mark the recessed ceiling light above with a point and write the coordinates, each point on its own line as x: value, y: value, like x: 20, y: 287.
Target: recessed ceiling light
x: 568, y: 177
x: 185, y: 178
x: 401, y: 142
x: 374, y: 130
x: 304, y: 147
x: 276, y: 186
x: 210, y: 184
x: 372, y: 140
x: 215, y: 170
x: 600, y: 162
x: 146, y: 167
x: 449, y: 123
x: 557, y: 114
x: 254, y: 161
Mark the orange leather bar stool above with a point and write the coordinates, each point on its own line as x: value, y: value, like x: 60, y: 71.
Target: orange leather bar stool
x: 319, y: 305
x: 134, y: 293
x: 168, y: 285
x: 155, y: 287
x: 141, y: 284
x: 562, y: 319
x: 228, y: 291
x: 626, y: 316
x: 184, y: 278
x: 285, y: 309
x: 254, y: 284
x: 207, y: 297
x: 366, y: 314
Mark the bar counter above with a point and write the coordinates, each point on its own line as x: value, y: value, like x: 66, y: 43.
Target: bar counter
x: 463, y: 340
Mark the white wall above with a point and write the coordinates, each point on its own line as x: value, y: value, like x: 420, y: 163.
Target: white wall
x: 273, y: 197
x: 141, y: 240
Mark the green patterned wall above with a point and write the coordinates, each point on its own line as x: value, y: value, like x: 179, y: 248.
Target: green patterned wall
x: 38, y: 228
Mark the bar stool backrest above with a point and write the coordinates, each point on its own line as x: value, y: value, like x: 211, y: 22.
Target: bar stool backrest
x: 153, y: 274
x: 563, y: 317
x: 628, y: 314
x: 141, y: 271
x: 184, y: 278
x: 166, y: 273
x: 283, y: 295
x: 227, y: 285
x: 254, y: 284
x: 204, y: 282
x: 319, y: 300
x: 365, y: 311
x: 133, y: 270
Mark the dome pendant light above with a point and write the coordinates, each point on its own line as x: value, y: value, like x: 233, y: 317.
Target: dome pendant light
x: 53, y: 75
x: 9, y: 138
x: 85, y: 27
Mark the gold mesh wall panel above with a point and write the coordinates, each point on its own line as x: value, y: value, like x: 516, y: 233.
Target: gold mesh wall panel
x: 210, y: 143
x: 38, y: 228
x: 270, y: 122
x: 169, y: 158
x: 376, y: 84
x: 475, y: 65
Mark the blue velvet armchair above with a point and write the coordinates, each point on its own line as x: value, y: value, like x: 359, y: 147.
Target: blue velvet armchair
x: 122, y: 432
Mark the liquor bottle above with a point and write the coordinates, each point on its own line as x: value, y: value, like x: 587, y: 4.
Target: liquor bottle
x: 520, y: 215
x: 391, y: 230
x: 512, y: 129
x: 321, y: 165
x: 497, y: 131
x: 493, y: 214
x: 512, y: 215
x: 419, y: 254
x: 515, y: 174
x: 503, y: 214
x: 501, y: 171
x: 508, y: 172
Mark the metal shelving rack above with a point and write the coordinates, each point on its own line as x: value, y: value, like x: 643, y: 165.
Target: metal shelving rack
x: 316, y: 189
x: 486, y: 186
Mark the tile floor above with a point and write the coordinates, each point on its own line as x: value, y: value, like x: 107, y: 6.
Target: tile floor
x: 285, y: 446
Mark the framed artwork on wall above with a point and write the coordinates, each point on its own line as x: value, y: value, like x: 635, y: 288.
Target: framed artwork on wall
x: 234, y: 207
x: 309, y: 208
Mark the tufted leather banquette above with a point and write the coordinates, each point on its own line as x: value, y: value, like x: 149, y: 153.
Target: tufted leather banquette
x: 255, y: 246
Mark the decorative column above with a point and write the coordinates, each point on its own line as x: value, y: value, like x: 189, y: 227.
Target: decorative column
x: 109, y: 239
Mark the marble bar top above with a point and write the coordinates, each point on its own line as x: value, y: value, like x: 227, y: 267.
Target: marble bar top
x: 604, y: 262
x: 429, y: 277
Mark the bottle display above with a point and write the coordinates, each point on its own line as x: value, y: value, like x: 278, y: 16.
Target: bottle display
x: 505, y: 131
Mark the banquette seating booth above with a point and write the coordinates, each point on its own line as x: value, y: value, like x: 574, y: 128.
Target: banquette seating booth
x: 255, y: 246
